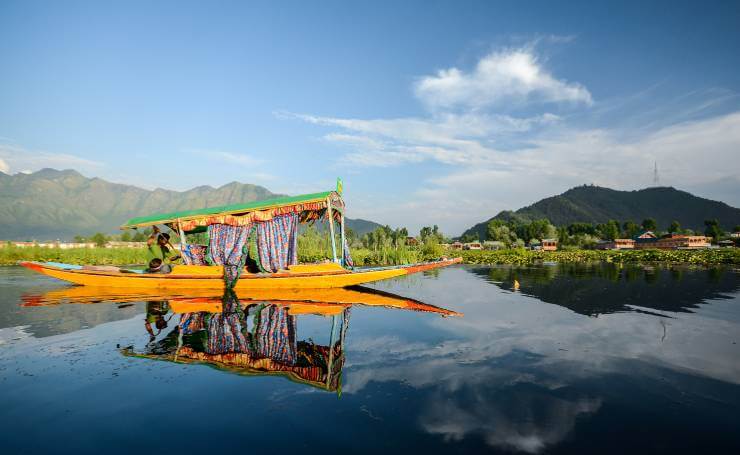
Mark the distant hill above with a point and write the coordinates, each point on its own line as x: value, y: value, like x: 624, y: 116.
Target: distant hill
x: 51, y: 204
x: 593, y: 204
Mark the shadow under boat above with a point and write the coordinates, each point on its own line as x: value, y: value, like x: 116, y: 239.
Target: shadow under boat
x: 252, y: 336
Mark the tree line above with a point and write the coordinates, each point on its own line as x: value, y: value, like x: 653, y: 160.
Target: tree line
x: 100, y: 239
x: 515, y: 233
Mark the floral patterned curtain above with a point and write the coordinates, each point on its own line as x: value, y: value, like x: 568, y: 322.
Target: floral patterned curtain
x: 227, y: 248
x: 277, y: 242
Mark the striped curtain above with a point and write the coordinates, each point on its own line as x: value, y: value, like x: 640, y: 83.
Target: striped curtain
x: 275, y: 335
x: 226, y: 247
x: 348, y: 262
x: 225, y: 329
x: 277, y: 242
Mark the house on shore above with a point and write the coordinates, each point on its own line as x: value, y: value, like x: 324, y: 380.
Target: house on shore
x: 645, y: 240
x: 55, y: 244
x: 549, y: 244
x: 473, y: 246
x: 683, y: 242
x: 649, y: 240
x: 544, y: 245
x: 113, y: 244
x: 493, y: 245
x: 616, y: 244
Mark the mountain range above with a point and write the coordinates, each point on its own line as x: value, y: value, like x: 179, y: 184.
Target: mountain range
x: 593, y: 204
x: 52, y: 204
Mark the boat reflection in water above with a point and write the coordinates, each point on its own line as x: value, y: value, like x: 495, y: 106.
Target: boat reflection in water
x: 257, y: 335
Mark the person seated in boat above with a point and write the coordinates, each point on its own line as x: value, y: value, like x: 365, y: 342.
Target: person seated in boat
x: 159, y: 247
x: 156, y: 265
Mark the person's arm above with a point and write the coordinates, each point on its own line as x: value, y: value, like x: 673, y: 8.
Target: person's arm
x: 153, y: 237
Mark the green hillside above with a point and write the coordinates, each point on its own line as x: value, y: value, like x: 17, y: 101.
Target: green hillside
x: 51, y: 204
x: 593, y: 204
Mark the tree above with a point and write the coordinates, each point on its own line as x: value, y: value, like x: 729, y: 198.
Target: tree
x: 649, y: 224
x: 433, y: 232
x: 79, y: 239
x: 609, y: 230
x: 126, y: 236
x: 736, y: 228
x: 500, y: 232
x: 540, y: 229
x: 675, y: 227
x: 630, y: 229
x: 712, y: 229
x: 99, y: 239
x: 350, y: 236
x: 467, y: 238
x: 581, y: 228
x: 139, y: 237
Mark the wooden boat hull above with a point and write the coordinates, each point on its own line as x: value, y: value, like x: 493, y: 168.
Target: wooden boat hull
x: 319, y: 276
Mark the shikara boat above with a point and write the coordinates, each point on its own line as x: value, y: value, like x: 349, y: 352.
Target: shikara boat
x: 336, y: 272
x: 301, y: 276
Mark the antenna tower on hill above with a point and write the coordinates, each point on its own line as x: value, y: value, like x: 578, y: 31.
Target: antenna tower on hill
x: 656, y: 180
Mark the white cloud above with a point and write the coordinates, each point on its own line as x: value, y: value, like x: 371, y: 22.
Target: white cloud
x: 458, y: 139
x: 20, y: 159
x: 4, y: 166
x: 698, y: 155
x: 493, y: 161
x: 512, y: 75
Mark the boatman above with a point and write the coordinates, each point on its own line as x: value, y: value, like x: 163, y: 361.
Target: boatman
x: 159, y: 247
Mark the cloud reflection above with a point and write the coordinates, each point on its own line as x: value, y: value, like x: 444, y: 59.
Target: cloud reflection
x: 511, y: 371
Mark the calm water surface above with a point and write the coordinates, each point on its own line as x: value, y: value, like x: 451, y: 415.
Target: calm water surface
x: 579, y: 358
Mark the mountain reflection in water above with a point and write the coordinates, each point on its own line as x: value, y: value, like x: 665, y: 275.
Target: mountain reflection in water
x: 601, y: 288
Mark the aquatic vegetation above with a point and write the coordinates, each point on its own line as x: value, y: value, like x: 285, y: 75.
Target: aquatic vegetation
x: 523, y: 257
x: 10, y: 255
x: 317, y: 249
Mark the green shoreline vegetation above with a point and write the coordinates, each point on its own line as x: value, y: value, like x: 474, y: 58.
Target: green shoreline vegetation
x: 386, y: 246
x: 10, y: 255
x: 522, y: 256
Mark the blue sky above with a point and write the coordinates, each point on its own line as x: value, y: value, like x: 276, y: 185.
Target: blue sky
x: 432, y: 112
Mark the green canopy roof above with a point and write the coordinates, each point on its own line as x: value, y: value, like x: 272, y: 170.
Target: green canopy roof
x: 232, y: 209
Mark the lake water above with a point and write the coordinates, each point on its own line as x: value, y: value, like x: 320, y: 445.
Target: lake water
x: 576, y: 359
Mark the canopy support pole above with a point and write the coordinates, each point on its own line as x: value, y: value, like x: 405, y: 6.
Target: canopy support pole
x: 183, y: 242
x: 343, y: 238
x: 331, y: 230
x: 330, y: 363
